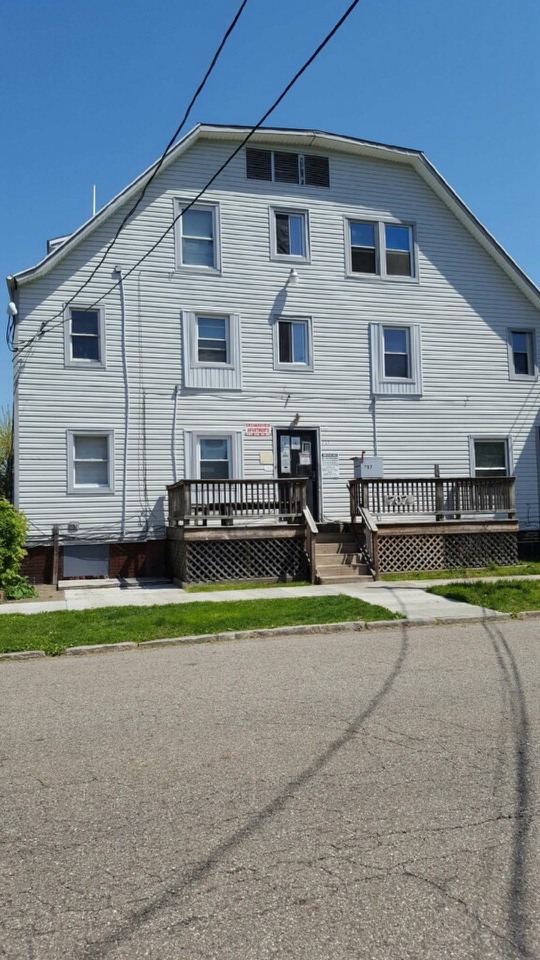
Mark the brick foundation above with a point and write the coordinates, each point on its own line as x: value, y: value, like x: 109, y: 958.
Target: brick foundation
x: 148, y: 559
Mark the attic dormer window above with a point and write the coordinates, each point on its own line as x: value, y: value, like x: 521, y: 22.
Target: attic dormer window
x: 282, y: 166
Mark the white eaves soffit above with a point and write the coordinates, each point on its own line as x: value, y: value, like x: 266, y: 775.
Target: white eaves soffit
x: 305, y: 139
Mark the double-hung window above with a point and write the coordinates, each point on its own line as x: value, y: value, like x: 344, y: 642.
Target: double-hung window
x: 212, y: 357
x: 292, y: 343
x: 396, y: 359
x: 84, y: 337
x: 213, y: 344
x: 198, y: 236
x: 398, y: 247
x: 375, y: 248
x: 397, y: 353
x: 90, y: 461
x: 213, y: 454
x: 289, y: 234
x: 490, y: 456
x: 215, y: 458
x: 522, y: 355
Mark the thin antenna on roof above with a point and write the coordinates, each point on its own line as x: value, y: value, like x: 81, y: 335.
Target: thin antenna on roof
x: 94, y: 200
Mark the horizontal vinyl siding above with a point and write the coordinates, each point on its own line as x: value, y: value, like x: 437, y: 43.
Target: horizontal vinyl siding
x: 463, y: 303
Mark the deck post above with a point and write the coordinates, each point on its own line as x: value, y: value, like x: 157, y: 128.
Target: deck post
x: 439, y: 499
x: 512, y: 499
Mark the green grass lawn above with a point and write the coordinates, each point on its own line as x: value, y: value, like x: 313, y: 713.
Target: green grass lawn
x: 53, y: 632
x: 244, y: 585
x: 509, y: 596
x: 466, y: 573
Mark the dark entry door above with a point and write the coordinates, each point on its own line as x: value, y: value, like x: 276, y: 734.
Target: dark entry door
x: 298, y: 456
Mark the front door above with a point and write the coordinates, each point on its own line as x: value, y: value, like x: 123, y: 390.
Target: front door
x: 298, y: 456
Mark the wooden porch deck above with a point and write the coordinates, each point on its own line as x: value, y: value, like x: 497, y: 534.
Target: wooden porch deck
x: 433, y: 523
x: 262, y: 529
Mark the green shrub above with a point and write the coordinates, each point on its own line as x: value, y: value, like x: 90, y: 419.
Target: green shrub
x: 13, y: 527
x: 16, y: 587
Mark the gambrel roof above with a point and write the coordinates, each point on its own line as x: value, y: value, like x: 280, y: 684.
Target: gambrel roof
x: 299, y: 139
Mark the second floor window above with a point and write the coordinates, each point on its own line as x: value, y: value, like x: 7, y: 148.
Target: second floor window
x: 289, y: 231
x: 198, y: 236
x: 396, y: 353
x: 213, y: 340
x: 293, y: 348
x: 84, y: 337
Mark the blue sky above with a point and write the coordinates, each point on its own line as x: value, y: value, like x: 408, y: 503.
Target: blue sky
x: 92, y: 91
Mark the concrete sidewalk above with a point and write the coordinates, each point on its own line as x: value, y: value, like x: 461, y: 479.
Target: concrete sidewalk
x: 408, y: 598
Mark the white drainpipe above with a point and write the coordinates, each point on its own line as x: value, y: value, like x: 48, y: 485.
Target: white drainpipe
x: 118, y: 270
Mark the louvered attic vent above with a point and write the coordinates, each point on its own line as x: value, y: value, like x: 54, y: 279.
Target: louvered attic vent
x: 284, y: 167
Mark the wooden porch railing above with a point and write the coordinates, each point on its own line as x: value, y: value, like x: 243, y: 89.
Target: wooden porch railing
x: 439, y: 497
x: 192, y: 501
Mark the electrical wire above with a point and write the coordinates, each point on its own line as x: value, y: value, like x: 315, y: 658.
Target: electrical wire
x: 11, y: 326
x: 45, y: 328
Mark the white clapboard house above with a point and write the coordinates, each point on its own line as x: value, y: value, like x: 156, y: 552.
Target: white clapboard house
x: 327, y: 365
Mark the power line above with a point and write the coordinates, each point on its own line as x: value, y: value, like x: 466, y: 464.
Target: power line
x: 155, y: 171
x: 45, y: 328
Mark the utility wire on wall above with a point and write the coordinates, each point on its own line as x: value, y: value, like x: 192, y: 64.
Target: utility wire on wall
x: 46, y: 325
x: 11, y: 325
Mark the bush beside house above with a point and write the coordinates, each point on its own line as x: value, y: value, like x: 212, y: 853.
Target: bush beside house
x: 13, y: 528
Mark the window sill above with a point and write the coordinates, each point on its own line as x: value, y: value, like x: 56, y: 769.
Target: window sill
x: 204, y: 271
x: 84, y: 365
x: 377, y: 278
x: 89, y: 492
x: 288, y: 258
x: 293, y: 368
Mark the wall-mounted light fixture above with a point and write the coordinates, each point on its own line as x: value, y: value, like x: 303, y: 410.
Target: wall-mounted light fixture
x: 292, y: 279
x: 296, y: 420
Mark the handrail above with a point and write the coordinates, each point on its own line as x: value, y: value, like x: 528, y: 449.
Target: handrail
x: 371, y: 541
x: 227, y: 500
x: 439, y: 497
x: 311, y: 542
x: 310, y: 522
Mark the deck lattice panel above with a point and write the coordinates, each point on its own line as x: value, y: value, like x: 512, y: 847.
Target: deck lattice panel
x: 442, y: 551
x: 211, y: 561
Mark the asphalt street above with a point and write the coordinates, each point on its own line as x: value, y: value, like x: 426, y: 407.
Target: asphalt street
x: 369, y: 795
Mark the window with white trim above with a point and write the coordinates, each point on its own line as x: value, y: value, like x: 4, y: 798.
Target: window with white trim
x: 293, y: 343
x: 396, y: 359
x: 490, y: 456
x: 522, y: 354
x: 211, y: 350
x: 213, y: 454
x: 215, y: 458
x: 197, y: 232
x: 84, y: 337
x: 376, y: 248
x: 90, y: 461
x: 213, y: 345
x: 289, y: 234
x: 397, y: 353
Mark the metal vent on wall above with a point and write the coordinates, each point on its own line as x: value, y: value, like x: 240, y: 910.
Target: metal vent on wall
x: 309, y: 169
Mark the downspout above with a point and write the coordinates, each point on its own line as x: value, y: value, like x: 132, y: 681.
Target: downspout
x: 374, y: 419
x: 118, y: 270
x: 173, y: 437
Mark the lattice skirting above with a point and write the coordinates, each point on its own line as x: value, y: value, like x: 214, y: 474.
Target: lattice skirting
x: 431, y: 551
x: 210, y: 561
